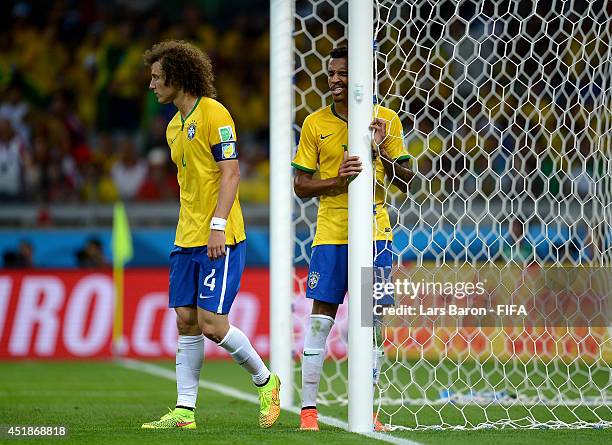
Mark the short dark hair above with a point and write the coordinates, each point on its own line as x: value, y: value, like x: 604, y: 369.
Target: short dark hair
x: 184, y: 66
x: 341, y: 52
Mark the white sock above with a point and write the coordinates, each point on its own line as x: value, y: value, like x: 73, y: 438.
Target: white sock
x: 313, y: 357
x: 189, y: 358
x: 243, y: 353
x: 377, y: 355
x: 378, y: 352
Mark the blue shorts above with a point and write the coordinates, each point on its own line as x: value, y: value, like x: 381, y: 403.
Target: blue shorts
x: 328, y: 272
x: 211, y: 284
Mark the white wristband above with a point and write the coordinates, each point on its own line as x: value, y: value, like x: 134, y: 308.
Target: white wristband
x: 218, y: 223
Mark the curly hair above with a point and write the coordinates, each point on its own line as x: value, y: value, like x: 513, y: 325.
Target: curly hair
x: 184, y: 66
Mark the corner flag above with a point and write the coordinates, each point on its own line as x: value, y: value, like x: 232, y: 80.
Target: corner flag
x: 122, y: 238
x: 122, y: 253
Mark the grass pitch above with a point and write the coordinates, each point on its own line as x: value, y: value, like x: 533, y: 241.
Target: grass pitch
x: 103, y: 402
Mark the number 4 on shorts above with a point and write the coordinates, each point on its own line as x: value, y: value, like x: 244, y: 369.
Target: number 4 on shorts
x: 210, y: 280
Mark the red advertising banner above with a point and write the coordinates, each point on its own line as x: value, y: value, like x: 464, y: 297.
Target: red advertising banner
x: 69, y: 314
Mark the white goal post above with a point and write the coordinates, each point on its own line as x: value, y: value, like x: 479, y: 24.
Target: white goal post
x: 361, y: 79
x: 360, y: 231
x: 506, y: 108
x: 281, y: 195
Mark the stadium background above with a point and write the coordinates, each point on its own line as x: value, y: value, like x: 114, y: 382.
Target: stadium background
x: 79, y: 130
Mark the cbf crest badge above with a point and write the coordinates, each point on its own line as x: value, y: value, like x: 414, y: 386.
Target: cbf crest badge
x: 191, y: 131
x: 313, y: 279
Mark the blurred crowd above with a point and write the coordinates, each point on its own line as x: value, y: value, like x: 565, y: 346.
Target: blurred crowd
x: 77, y: 122
x: 498, y: 100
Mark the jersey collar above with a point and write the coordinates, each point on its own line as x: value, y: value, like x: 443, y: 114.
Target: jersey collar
x: 191, y: 112
x: 333, y: 110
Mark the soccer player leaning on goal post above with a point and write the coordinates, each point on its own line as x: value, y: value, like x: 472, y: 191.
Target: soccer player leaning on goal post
x: 323, y: 142
x: 208, y: 258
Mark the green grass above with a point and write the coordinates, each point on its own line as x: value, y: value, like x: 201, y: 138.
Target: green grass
x: 417, y: 380
x: 104, y: 403
x: 101, y: 402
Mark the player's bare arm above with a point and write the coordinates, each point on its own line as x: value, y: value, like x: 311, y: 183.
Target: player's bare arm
x: 398, y: 172
x: 230, y: 178
x: 305, y: 186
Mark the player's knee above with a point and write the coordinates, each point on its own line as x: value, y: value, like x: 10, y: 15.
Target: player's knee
x: 214, y: 326
x: 323, y: 308
x: 187, y: 328
x: 187, y: 323
x: 213, y: 332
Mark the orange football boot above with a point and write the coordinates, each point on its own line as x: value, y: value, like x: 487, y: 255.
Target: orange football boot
x: 379, y: 426
x: 309, y: 420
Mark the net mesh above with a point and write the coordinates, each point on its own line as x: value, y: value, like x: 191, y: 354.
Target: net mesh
x: 506, y: 109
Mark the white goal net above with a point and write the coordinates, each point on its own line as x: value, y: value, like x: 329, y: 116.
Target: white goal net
x: 506, y: 107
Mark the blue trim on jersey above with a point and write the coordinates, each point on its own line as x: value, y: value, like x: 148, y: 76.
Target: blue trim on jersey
x: 328, y: 271
x: 211, y: 284
x: 225, y: 151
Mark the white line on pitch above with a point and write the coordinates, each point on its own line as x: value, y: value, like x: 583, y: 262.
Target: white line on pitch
x: 160, y: 371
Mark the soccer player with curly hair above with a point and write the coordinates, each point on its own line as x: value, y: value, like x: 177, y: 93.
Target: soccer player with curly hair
x: 208, y: 258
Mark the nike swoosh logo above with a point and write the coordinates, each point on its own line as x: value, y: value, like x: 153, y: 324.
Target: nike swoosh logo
x: 323, y: 137
x: 307, y: 354
x: 180, y: 424
x: 172, y: 140
x: 205, y: 297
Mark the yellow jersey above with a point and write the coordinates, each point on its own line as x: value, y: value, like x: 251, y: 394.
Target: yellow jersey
x: 206, y: 136
x: 323, y: 141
